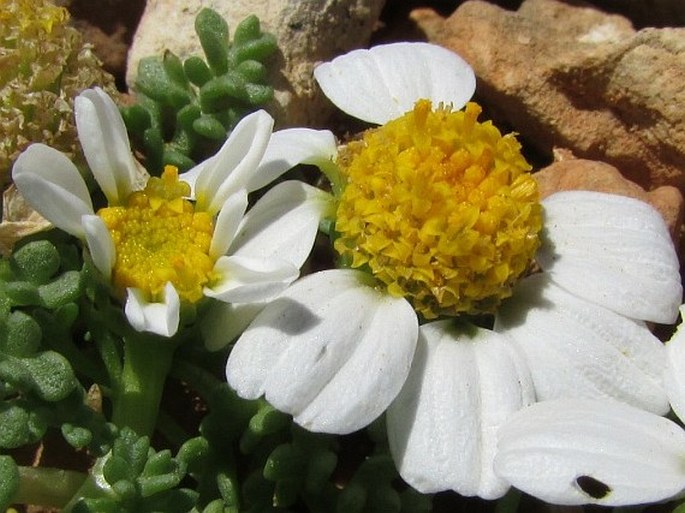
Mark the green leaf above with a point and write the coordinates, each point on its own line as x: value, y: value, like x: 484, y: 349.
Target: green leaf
x: 252, y: 71
x: 221, y: 92
x: 76, y: 436
x: 209, y: 127
x: 212, y: 30
x: 19, y: 425
x: 22, y: 293
x: 137, y: 118
x: 197, y: 71
x: 9, y: 481
x: 247, y: 30
x: 66, y: 288
x: 174, y: 69
x: 22, y: 336
x: 36, y: 261
x: 256, y: 49
x: 51, y: 375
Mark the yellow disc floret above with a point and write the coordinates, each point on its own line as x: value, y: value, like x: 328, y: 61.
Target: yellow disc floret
x: 160, y: 238
x: 440, y: 208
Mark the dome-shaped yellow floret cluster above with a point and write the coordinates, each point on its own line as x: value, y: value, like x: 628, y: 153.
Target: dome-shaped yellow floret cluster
x: 160, y: 238
x: 440, y: 208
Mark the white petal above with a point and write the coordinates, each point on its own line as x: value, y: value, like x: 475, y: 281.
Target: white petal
x: 52, y: 185
x: 246, y: 279
x: 159, y: 318
x: 554, y: 450
x: 227, y: 222
x: 100, y: 244
x: 105, y: 143
x: 442, y: 427
x: 290, y: 147
x: 674, y: 377
x: 223, y: 322
x: 332, y: 351
x: 384, y: 82
x: 283, y: 223
x: 579, y: 349
x: 614, y: 251
x: 233, y: 166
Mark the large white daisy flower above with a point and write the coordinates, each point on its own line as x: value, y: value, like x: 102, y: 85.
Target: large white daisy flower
x: 180, y: 239
x: 592, y: 451
x: 437, y: 219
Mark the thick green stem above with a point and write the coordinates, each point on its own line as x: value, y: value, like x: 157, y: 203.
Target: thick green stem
x: 147, y: 361
x: 47, y: 486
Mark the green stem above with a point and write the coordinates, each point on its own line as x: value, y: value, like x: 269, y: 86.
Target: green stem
x: 47, y: 486
x: 147, y: 361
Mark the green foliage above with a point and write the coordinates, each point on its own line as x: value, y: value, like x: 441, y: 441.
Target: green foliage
x: 133, y: 477
x: 186, y: 109
x: 9, y: 481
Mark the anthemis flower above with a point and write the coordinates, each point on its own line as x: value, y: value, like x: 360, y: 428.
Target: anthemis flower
x: 170, y: 240
x: 439, y: 230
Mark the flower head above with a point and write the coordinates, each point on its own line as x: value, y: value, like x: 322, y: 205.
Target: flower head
x: 170, y: 240
x: 438, y: 218
x: 441, y: 208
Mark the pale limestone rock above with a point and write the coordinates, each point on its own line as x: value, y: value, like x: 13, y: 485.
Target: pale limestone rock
x: 307, y: 33
x: 572, y: 76
x: 580, y: 174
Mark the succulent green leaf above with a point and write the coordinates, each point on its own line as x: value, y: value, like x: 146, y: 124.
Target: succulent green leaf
x: 252, y: 71
x: 220, y: 92
x: 76, y: 436
x: 229, y: 488
x: 22, y: 335
x: 212, y: 30
x: 153, y: 485
x: 174, y: 69
x: 66, y: 288
x: 136, y: 117
x: 284, y: 462
x: 193, y: 452
x: 247, y: 30
x: 19, y: 425
x: 36, y: 261
x: 209, y: 127
x: 256, y: 49
x: 187, y: 116
x: 22, y: 293
x: 197, y: 71
x: 258, y: 94
x: 9, y: 481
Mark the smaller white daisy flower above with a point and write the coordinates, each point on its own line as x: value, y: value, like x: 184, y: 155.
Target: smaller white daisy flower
x: 180, y: 238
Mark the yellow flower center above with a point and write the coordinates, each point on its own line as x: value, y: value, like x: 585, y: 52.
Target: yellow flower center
x: 440, y: 208
x: 160, y: 238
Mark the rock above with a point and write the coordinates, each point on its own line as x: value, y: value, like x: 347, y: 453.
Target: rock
x: 589, y: 175
x: 565, y: 74
x: 307, y: 33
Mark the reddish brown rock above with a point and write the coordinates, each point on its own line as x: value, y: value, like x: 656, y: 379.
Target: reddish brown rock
x: 569, y: 75
x: 589, y: 175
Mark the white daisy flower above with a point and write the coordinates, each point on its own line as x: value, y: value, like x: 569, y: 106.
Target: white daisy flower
x: 592, y: 451
x: 438, y: 220
x: 157, y: 246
